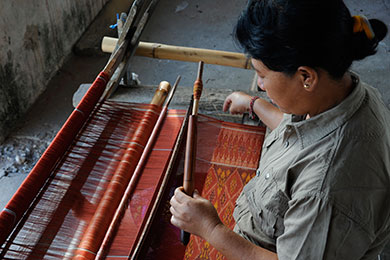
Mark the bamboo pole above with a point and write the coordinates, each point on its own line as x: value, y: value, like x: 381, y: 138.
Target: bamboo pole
x: 171, y: 52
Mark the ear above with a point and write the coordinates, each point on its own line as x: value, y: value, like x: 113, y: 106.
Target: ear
x: 309, y: 78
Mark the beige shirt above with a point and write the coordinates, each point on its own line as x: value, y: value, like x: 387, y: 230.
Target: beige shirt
x: 323, y: 188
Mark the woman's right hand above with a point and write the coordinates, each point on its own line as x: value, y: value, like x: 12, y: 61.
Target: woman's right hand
x: 237, y: 103
x: 195, y: 215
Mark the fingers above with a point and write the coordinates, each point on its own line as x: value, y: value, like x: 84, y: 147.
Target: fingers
x: 175, y: 219
x: 180, y: 196
x: 195, y: 215
x: 237, y: 103
x: 176, y: 222
x: 196, y: 194
x: 181, y: 203
x: 176, y: 214
x: 179, y: 207
x: 226, y: 103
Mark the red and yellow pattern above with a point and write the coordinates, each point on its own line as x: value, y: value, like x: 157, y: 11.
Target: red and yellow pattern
x: 233, y: 164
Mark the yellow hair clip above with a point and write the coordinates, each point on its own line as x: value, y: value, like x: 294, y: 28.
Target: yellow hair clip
x: 361, y: 24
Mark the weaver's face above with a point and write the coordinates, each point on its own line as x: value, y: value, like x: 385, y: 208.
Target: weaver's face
x: 283, y: 90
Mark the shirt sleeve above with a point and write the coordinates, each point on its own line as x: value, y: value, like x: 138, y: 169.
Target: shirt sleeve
x: 316, y: 229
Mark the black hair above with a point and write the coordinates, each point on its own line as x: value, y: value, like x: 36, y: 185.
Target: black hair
x: 286, y: 34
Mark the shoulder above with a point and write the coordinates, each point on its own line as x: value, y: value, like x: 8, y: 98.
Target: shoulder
x: 361, y: 155
x: 372, y: 119
x: 346, y: 171
x: 351, y: 167
x: 347, y: 145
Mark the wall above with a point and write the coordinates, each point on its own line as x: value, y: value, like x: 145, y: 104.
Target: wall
x: 35, y: 39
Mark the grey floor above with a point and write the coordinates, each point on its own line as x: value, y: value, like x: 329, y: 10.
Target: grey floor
x: 196, y: 23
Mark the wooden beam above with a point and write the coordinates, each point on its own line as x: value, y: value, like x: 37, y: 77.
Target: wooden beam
x: 171, y: 52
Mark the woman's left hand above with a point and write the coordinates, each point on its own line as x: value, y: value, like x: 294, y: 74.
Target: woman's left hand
x: 237, y: 103
x: 195, y: 215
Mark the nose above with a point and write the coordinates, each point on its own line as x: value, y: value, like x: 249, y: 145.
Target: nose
x: 260, y: 83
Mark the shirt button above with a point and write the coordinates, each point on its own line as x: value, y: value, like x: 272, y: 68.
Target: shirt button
x: 286, y: 144
x: 267, y: 176
x: 258, y: 172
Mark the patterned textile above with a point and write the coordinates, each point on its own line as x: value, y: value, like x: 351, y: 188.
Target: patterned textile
x: 227, y: 158
x: 233, y: 164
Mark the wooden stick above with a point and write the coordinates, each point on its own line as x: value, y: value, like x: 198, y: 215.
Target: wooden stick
x: 190, y: 152
x: 190, y: 156
x: 131, y: 42
x: 120, y: 47
x: 198, y: 87
x: 163, y: 51
x: 161, y: 93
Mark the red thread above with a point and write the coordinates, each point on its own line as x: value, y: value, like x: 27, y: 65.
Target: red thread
x: 41, y: 171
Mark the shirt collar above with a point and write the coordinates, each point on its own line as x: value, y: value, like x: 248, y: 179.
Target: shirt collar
x: 317, y: 127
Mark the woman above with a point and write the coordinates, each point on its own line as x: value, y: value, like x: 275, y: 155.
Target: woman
x: 323, y: 184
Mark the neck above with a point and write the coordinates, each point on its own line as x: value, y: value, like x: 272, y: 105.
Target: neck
x: 330, y: 93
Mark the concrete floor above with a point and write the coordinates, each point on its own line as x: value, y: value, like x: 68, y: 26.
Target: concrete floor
x: 196, y: 23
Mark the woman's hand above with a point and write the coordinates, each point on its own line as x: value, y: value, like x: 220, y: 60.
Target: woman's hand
x: 199, y: 217
x: 237, y: 103
x: 195, y: 215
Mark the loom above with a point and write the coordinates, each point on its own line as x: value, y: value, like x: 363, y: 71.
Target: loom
x: 101, y: 189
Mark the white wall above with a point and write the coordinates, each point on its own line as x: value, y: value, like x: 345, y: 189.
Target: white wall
x: 35, y: 38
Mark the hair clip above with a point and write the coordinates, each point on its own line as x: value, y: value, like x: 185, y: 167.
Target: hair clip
x: 361, y: 24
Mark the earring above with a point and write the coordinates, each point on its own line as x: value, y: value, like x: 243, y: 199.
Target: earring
x: 306, y: 86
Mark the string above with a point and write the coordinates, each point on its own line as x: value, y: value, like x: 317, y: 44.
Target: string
x: 75, y: 186
x: 41, y: 171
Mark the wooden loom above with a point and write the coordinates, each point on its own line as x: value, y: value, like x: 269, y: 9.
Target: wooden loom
x: 67, y: 193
